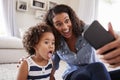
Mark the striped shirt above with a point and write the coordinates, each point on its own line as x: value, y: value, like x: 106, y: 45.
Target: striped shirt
x: 37, y: 72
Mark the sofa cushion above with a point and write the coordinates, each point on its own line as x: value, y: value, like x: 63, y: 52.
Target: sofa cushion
x: 10, y: 42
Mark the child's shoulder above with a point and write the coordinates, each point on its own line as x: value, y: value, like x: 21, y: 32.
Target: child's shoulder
x: 23, y: 67
x: 23, y: 63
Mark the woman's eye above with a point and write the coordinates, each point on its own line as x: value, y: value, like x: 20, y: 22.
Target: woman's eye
x: 59, y: 24
x: 67, y: 20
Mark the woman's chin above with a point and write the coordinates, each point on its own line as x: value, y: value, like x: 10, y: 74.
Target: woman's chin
x: 67, y: 36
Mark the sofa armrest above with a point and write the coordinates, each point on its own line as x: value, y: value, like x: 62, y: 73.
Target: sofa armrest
x: 10, y: 42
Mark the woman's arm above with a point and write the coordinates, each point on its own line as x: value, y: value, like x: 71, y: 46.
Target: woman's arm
x: 56, y: 61
x: 112, y: 57
x: 23, y: 71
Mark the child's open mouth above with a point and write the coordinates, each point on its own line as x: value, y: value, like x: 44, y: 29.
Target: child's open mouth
x: 50, y: 54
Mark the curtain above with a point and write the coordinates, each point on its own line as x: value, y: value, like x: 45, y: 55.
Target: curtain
x: 87, y: 10
x: 9, y: 13
x: 2, y: 20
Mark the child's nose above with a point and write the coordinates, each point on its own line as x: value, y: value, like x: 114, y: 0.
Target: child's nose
x: 51, y: 46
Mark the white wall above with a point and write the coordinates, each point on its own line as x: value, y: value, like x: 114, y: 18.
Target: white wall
x: 74, y: 4
x: 27, y: 18
x: 85, y: 9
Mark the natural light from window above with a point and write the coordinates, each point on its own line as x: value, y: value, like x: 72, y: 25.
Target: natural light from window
x: 109, y: 11
x: 2, y: 21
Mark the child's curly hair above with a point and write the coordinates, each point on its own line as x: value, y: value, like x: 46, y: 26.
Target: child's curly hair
x: 33, y: 35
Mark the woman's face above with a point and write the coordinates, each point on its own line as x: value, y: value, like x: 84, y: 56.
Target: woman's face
x: 63, y: 24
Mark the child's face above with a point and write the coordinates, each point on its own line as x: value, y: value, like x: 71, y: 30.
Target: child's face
x: 46, y: 46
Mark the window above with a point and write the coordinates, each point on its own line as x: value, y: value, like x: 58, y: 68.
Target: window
x: 109, y: 11
x: 2, y: 21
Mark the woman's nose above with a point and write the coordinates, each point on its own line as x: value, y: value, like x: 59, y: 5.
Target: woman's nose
x: 64, y: 26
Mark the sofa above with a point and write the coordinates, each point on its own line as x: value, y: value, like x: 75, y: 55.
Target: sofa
x: 11, y: 49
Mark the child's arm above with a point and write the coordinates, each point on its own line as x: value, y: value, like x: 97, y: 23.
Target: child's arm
x: 23, y: 71
x: 52, y: 74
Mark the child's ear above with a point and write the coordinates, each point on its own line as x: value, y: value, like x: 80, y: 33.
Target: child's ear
x: 35, y: 47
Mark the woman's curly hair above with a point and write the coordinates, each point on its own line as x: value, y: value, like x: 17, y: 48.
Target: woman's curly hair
x: 33, y: 35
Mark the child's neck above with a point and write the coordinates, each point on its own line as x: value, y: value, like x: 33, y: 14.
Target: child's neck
x: 40, y: 61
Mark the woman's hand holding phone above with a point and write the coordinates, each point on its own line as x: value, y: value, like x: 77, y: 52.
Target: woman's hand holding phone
x: 112, y: 57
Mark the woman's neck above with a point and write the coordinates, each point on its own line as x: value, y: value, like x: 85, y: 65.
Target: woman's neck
x: 71, y: 43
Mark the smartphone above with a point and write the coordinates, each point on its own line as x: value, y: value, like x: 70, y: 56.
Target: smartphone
x: 97, y: 35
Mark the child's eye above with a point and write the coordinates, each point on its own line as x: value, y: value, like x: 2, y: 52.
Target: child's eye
x: 46, y: 42
x: 53, y: 43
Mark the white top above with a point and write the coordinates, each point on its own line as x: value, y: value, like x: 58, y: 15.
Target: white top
x: 38, y: 72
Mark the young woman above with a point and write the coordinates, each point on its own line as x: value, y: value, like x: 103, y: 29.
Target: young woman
x: 39, y: 42
x: 73, y: 48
